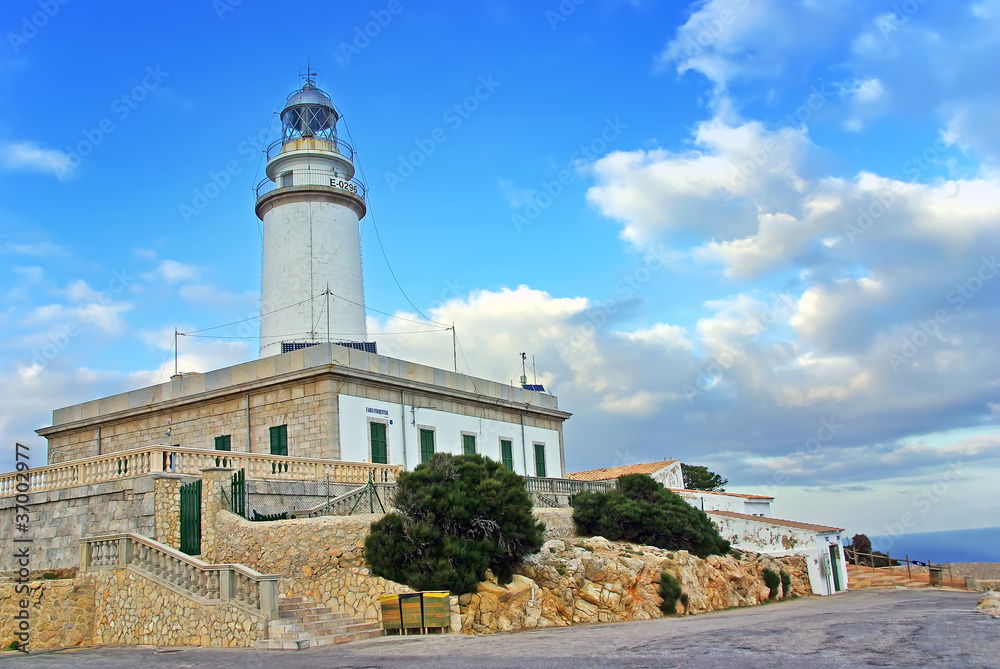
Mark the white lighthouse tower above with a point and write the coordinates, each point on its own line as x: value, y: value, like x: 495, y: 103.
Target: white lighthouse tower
x: 310, y: 205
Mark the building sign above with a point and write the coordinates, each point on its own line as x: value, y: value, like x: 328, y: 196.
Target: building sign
x: 377, y: 412
x: 343, y: 184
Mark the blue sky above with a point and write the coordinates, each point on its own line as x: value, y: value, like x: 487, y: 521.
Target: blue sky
x: 772, y: 250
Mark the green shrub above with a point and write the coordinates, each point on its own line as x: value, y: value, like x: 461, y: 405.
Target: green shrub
x: 773, y: 583
x: 670, y: 591
x: 457, y: 517
x: 786, y: 583
x: 642, y: 511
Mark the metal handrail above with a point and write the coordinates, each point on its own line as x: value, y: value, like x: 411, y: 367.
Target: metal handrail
x: 326, y: 178
x: 339, y: 146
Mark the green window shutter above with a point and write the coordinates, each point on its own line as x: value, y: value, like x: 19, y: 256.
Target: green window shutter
x: 469, y: 444
x: 507, y: 454
x: 426, y: 444
x: 540, y: 460
x: 380, y: 447
x: 223, y: 443
x: 279, y: 440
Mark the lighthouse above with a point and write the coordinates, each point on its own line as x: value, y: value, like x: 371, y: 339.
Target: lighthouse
x: 310, y: 205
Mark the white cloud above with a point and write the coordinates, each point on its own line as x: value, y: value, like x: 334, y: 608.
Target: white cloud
x: 173, y: 271
x: 30, y: 157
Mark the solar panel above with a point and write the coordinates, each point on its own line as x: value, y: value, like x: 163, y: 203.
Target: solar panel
x: 366, y: 346
x: 537, y: 387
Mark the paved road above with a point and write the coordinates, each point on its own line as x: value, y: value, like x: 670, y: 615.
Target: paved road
x: 887, y: 628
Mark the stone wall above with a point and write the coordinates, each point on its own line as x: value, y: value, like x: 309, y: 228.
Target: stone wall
x: 60, y: 613
x: 319, y: 558
x: 131, y: 610
x: 60, y: 518
x: 167, y: 507
x: 596, y: 580
x: 558, y: 522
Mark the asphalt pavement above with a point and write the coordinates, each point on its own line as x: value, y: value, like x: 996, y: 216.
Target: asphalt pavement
x: 868, y: 628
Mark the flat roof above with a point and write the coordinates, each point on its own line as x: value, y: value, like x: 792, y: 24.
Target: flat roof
x: 355, y: 365
x: 794, y: 524
x: 614, y: 472
x: 727, y: 494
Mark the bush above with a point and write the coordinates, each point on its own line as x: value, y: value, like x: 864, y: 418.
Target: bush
x: 773, y: 583
x: 670, y: 591
x: 642, y: 511
x: 457, y: 517
x: 786, y: 583
x: 861, y: 543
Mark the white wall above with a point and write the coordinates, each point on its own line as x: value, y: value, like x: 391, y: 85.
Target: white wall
x: 761, y: 536
x: 307, y: 245
x: 670, y: 476
x: 716, y: 502
x: 355, y: 445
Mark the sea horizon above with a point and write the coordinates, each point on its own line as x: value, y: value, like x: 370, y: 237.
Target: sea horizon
x: 970, y: 545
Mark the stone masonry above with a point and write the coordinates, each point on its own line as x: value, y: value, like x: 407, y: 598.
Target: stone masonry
x: 297, y: 389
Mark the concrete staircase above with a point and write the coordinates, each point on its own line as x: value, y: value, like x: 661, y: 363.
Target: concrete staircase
x: 302, y: 624
x: 865, y: 577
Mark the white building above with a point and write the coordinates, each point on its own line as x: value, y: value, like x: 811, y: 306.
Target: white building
x: 320, y: 390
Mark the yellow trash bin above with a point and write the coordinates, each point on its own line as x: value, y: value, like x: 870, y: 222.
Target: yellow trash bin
x: 437, y: 610
x: 391, y: 618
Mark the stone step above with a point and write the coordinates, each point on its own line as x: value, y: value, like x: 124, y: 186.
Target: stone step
x: 319, y: 640
x: 303, y: 607
x: 312, y: 618
x: 296, y: 632
x: 338, y: 624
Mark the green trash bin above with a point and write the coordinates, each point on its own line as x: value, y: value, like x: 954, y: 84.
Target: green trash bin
x: 936, y: 575
x: 412, y: 613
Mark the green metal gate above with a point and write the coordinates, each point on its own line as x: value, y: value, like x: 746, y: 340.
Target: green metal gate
x: 238, y: 493
x: 191, y: 518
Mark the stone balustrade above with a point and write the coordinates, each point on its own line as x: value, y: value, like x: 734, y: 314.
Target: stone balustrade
x: 565, y: 486
x: 158, y: 458
x: 188, y: 576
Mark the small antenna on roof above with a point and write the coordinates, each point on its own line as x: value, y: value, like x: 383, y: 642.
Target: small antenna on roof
x: 309, y: 76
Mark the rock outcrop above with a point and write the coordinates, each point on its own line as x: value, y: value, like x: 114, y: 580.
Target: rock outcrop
x: 990, y: 604
x: 596, y: 580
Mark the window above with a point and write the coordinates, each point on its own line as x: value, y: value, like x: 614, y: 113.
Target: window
x: 468, y: 444
x: 279, y: 440
x: 426, y: 444
x: 223, y: 443
x: 286, y: 180
x: 540, y: 460
x: 380, y: 447
x: 507, y: 454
